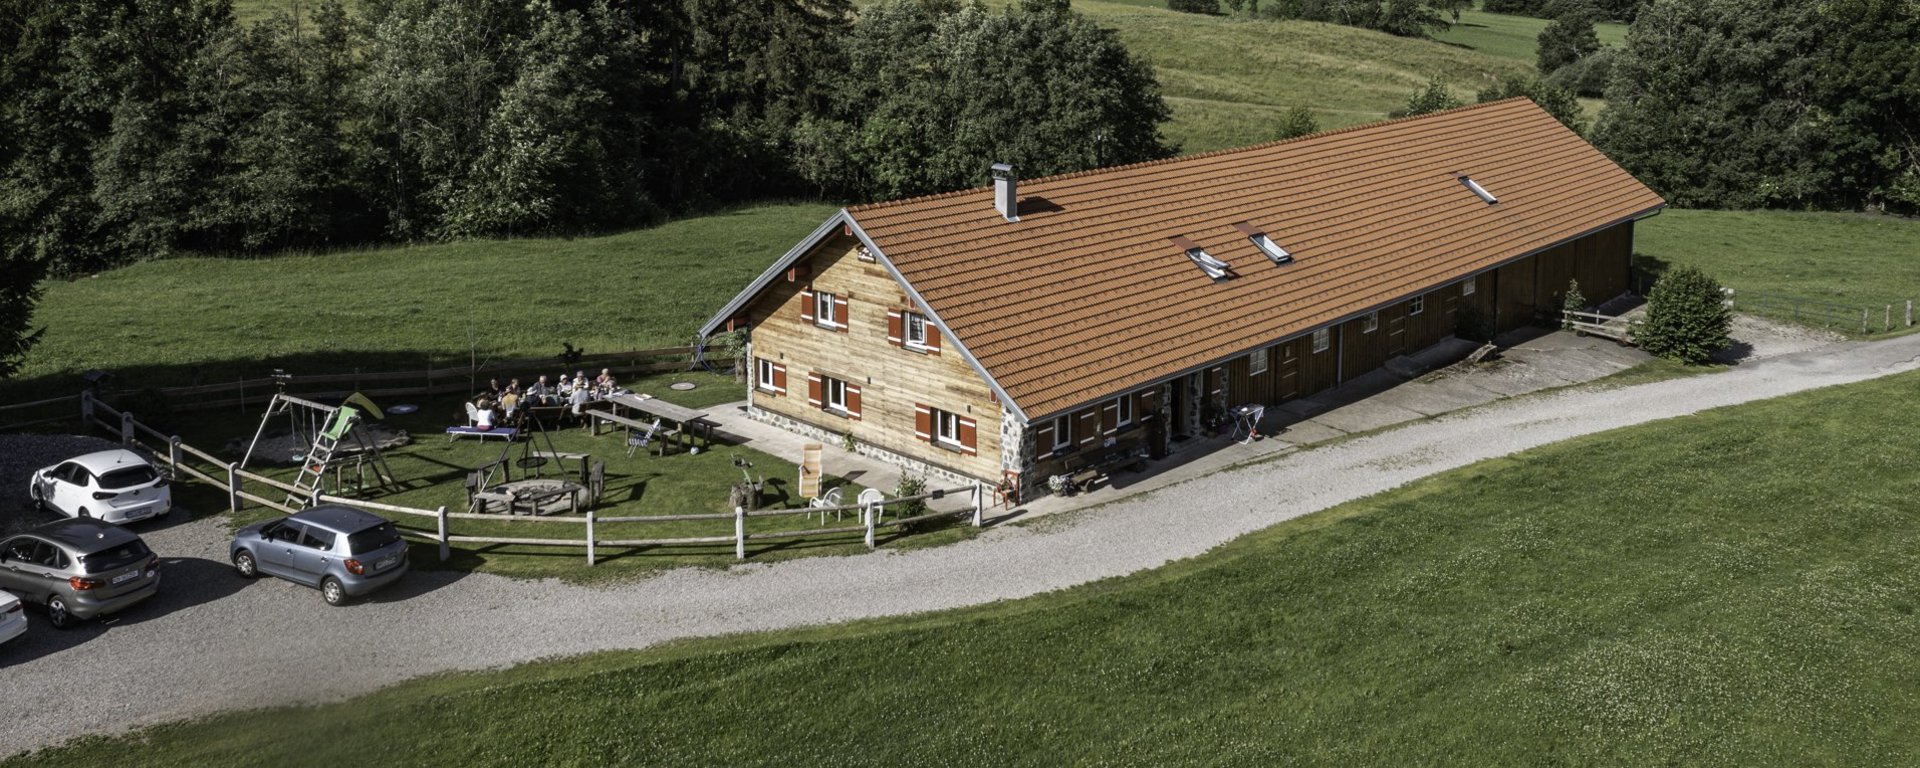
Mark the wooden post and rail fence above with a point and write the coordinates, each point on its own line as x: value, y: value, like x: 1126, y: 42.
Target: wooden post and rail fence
x: 179, y: 456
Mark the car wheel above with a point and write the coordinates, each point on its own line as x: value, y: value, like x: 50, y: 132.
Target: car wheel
x: 243, y: 562
x: 332, y: 591
x: 57, y: 612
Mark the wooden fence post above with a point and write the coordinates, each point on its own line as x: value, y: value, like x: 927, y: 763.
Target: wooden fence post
x: 1863, y: 320
x: 589, y: 538
x: 866, y: 518
x: 740, y: 533
x: 1887, y: 321
x: 1909, y: 313
x: 446, y: 548
x: 173, y: 457
x: 126, y: 428
x: 979, y: 503
x: 86, y: 396
x: 233, y: 486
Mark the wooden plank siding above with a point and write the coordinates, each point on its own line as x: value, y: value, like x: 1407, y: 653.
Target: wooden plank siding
x: 892, y: 379
x: 1537, y: 286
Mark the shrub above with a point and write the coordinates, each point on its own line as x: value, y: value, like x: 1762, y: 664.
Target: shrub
x: 1687, y: 317
x: 1296, y: 122
x: 1574, y: 301
x: 1432, y: 97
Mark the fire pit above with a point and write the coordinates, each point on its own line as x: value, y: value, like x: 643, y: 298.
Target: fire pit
x: 532, y: 496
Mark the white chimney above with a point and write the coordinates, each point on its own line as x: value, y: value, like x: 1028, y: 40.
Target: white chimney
x: 1005, y: 191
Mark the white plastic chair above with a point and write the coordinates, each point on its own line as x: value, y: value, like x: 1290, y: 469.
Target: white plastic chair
x: 872, y: 501
x: 829, y: 499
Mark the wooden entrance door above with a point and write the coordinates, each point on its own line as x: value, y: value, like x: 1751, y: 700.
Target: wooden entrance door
x: 1287, y: 383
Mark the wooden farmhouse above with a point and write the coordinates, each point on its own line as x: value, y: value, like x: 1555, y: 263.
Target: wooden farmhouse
x: 1007, y: 333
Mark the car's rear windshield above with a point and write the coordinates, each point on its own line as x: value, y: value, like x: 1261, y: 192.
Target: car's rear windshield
x: 373, y: 538
x: 114, y: 557
x: 127, y: 477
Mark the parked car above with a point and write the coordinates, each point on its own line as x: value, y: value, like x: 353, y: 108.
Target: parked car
x: 79, y: 569
x: 13, y: 617
x: 118, y: 486
x: 341, y: 551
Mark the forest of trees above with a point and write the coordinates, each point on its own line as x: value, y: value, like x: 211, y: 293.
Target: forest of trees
x: 140, y: 128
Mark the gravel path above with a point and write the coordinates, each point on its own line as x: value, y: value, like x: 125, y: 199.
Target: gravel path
x: 212, y: 642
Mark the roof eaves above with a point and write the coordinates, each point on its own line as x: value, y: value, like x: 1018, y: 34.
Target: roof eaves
x: 950, y: 336
x: 766, y: 278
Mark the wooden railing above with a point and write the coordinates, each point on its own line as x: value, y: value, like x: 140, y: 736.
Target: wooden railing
x: 175, y: 455
x: 1596, y: 324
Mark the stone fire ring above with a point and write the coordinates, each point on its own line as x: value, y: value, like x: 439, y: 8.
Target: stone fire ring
x: 536, y: 496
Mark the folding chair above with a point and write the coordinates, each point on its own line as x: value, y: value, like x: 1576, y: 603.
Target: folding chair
x: 635, y: 441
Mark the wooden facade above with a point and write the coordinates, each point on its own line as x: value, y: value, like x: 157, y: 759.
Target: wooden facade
x: 893, y: 391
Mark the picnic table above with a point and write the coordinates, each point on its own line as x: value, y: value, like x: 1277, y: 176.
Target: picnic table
x: 686, y: 421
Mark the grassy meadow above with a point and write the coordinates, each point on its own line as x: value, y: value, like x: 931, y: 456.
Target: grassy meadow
x: 203, y: 320
x: 1734, y: 588
x: 1844, y: 261
x: 1512, y: 37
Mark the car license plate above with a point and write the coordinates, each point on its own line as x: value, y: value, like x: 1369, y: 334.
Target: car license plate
x: 126, y: 577
x: 385, y: 563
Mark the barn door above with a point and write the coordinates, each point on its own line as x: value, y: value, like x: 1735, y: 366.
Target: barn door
x: 1396, y: 331
x: 1288, y: 386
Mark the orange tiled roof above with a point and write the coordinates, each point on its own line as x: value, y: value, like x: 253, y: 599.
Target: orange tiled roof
x: 1087, y: 296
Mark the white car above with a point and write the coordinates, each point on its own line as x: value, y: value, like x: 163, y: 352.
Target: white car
x: 13, y: 618
x: 116, y: 486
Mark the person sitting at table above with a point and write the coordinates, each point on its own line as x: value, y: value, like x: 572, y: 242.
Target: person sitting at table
x: 483, y: 412
x: 564, y: 389
x: 539, y: 392
x: 580, y: 381
x: 513, y: 385
x: 579, y: 399
x: 493, y: 389
x: 604, y: 382
x: 509, y: 401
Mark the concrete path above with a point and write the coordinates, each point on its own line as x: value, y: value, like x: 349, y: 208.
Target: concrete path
x: 212, y: 642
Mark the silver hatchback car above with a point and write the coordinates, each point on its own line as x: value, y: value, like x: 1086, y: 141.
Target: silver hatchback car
x: 341, y: 551
x: 79, y: 569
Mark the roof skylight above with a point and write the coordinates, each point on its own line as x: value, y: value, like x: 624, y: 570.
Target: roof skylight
x: 1481, y: 191
x: 1214, y: 268
x: 1272, y: 249
x: 1260, y: 240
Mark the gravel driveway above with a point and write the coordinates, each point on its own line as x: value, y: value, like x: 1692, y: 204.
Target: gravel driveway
x: 212, y: 642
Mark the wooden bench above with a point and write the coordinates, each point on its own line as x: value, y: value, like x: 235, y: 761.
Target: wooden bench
x: 630, y: 425
x: 1088, y: 467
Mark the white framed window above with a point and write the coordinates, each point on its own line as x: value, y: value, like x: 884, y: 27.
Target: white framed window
x: 826, y: 313
x: 1370, y: 323
x: 1062, y: 434
x: 1467, y: 287
x: 1417, y: 305
x: 836, y: 392
x: 913, y: 328
x: 1257, y: 362
x: 764, y: 369
x: 1322, y: 340
x: 946, y: 428
x: 1122, y: 411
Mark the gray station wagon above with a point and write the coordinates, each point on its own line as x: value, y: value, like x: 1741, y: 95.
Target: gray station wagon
x: 79, y: 569
x: 341, y: 551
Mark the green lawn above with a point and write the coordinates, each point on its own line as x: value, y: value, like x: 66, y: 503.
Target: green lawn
x: 1843, y: 262
x: 1229, y: 79
x: 1735, y: 588
x: 1512, y: 37
x: 201, y: 320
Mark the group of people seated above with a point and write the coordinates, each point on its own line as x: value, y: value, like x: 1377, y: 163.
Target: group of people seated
x: 497, y: 404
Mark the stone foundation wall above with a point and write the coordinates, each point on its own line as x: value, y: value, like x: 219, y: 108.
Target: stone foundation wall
x: 935, y: 475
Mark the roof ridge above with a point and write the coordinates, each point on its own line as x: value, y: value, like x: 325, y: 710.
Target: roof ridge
x: 1182, y: 158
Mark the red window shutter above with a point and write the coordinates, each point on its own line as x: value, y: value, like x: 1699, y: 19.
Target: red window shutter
x: 933, y: 338
x: 923, y: 422
x: 841, y: 320
x: 806, y: 304
x: 968, y: 429
x: 780, y: 379
x: 853, y: 401
x: 813, y: 390
x: 893, y: 327
x: 1043, y: 440
x: 1089, y: 426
